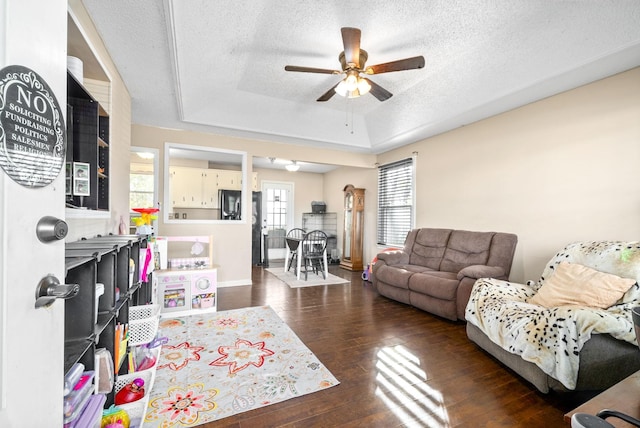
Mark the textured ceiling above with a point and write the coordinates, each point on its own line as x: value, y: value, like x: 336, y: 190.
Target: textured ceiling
x: 218, y: 66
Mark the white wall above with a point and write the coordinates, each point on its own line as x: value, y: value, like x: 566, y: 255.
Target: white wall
x: 556, y: 171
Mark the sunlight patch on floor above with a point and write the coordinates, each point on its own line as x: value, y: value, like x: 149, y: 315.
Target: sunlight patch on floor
x: 401, y: 385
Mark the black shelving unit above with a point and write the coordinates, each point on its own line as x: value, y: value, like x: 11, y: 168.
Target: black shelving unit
x: 88, y: 142
x: 102, y: 260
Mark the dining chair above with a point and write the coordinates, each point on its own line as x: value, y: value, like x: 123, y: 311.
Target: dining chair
x: 314, y: 247
x: 293, y: 239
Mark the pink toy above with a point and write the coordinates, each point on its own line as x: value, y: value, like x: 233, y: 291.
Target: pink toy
x: 131, y: 392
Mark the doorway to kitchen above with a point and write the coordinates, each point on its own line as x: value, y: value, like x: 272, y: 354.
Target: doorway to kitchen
x: 277, y: 215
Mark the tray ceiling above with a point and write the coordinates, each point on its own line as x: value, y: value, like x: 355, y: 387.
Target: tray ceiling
x: 218, y: 66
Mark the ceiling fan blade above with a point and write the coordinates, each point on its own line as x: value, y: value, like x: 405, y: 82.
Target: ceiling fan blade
x: 378, y: 91
x: 310, y: 69
x: 399, y: 65
x: 327, y: 95
x: 351, y: 42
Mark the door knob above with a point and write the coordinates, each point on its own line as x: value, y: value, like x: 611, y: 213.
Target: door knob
x: 49, y: 289
x: 51, y: 229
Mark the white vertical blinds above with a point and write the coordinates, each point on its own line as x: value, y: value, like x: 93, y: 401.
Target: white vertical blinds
x: 395, y: 202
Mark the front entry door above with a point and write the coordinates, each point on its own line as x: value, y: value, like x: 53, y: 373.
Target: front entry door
x: 33, y: 35
x: 277, y: 209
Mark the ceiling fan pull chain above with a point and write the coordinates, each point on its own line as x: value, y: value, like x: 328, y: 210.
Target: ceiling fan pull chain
x: 348, y: 115
x: 351, y: 117
x: 346, y: 112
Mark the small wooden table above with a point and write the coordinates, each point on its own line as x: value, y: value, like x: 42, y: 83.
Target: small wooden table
x: 623, y: 397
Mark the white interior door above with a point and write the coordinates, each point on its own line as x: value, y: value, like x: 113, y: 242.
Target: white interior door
x: 277, y: 214
x: 31, y: 340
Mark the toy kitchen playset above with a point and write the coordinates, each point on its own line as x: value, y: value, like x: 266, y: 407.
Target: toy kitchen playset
x: 186, y: 281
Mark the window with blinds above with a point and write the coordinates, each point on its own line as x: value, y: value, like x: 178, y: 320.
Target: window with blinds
x: 395, y: 202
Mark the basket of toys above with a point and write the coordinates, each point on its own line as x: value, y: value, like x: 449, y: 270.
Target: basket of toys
x: 132, y: 394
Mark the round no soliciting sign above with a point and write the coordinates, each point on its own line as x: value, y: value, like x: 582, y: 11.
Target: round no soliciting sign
x: 32, y: 132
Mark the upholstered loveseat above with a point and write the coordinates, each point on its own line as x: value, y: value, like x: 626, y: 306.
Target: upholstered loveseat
x: 573, y: 328
x: 437, y: 268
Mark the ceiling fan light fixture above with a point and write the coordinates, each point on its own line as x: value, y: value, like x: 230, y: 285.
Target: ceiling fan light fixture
x: 351, y: 81
x: 292, y: 167
x: 363, y: 86
x: 341, y: 89
x: 353, y: 94
x: 346, y: 89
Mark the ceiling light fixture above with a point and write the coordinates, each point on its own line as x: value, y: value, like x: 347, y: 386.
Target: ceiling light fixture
x: 293, y: 166
x: 353, y: 85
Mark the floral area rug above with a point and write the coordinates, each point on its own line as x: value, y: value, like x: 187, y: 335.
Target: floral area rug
x: 219, y: 364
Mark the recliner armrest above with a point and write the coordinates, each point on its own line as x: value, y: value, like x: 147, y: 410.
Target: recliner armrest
x: 391, y: 258
x: 481, y: 271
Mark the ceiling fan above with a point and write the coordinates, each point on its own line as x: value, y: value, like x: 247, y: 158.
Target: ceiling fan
x: 353, y: 61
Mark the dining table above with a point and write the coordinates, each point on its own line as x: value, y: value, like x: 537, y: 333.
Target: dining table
x: 294, y: 245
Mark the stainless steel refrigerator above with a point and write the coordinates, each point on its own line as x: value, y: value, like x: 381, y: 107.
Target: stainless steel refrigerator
x: 230, y: 204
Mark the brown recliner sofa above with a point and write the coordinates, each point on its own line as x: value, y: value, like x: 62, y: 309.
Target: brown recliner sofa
x: 437, y: 268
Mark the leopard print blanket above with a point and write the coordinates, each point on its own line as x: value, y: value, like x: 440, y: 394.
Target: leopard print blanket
x: 552, y: 338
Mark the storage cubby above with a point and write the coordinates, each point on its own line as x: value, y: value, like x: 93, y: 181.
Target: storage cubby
x: 102, y: 260
x: 115, y: 272
x: 79, y: 326
x: 105, y: 274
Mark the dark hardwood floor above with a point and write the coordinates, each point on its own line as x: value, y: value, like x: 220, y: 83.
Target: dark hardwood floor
x: 397, y: 366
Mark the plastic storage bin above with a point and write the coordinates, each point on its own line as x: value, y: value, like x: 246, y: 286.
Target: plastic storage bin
x: 75, y: 401
x: 104, y: 369
x: 91, y: 416
x: 143, y: 323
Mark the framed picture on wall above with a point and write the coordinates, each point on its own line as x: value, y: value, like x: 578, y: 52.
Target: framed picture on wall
x: 81, y: 170
x: 81, y: 179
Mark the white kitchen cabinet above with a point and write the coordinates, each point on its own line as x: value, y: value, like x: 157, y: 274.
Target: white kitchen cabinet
x: 254, y: 182
x: 186, y: 187
x: 193, y: 187
x: 229, y: 180
x: 210, y: 189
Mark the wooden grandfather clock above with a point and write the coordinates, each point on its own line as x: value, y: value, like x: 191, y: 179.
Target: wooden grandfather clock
x: 353, y: 228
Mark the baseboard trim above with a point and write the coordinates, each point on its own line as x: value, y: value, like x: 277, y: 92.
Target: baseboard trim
x: 236, y: 283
